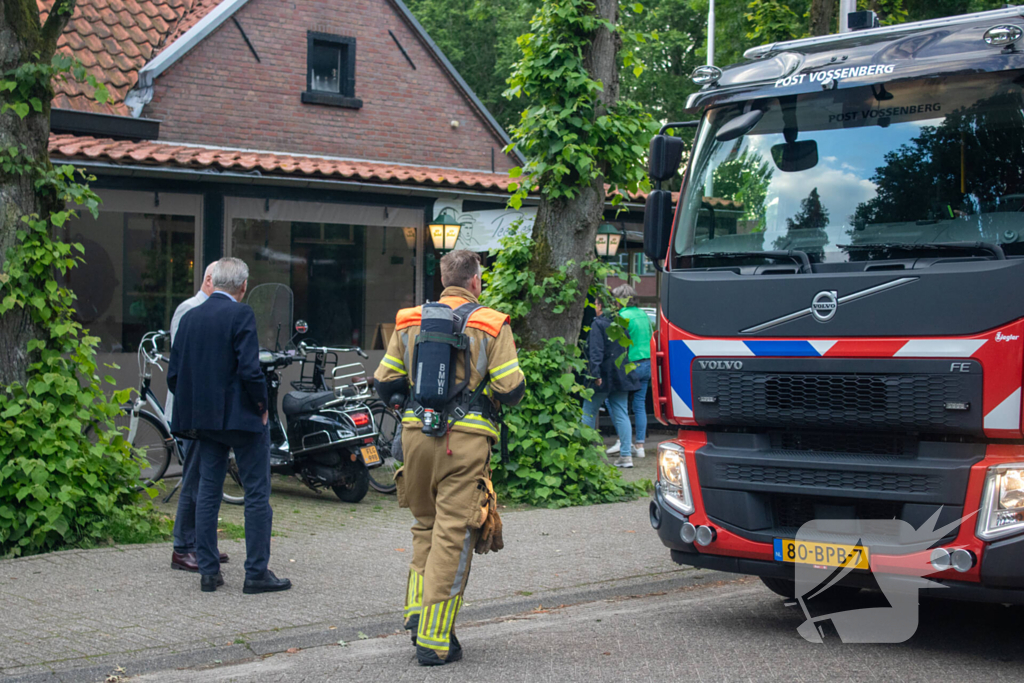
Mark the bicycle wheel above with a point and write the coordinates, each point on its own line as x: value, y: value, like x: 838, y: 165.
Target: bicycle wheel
x: 382, y: 478
x: 233, y: 493
x: 152, y: 443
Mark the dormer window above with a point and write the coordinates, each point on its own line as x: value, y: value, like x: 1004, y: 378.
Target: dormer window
x: 331, y: 70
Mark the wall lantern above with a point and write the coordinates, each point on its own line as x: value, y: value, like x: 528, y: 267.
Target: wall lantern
x: 444, y: 231
x: 607, y: 241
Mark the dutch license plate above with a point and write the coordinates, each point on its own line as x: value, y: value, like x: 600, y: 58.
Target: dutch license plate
x: 370, y: 455
x: 822, y: 554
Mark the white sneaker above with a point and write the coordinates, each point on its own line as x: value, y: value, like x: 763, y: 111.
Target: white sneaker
x: 624, y: 463
x: 614, y: 450
x: 638, y: 451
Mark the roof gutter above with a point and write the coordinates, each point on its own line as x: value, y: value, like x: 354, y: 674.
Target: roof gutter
x: 254, y: 179
x: 139, y: 96
x: 317, y: 183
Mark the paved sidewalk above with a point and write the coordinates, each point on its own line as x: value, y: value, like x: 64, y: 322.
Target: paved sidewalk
x: 79, y: 615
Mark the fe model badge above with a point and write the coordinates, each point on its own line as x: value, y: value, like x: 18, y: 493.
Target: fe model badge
x: 824, y: 305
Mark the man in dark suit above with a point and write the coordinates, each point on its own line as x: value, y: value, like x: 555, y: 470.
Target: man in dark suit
x: 220, y: 399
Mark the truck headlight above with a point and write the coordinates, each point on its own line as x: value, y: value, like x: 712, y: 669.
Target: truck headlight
x: 675, y: 483
x: 1002, y: 502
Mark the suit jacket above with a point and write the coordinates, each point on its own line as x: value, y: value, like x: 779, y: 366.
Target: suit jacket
x: 215, y: 371
x: 183, y: 308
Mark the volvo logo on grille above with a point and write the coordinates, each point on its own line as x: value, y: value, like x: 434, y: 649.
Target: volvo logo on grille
x: 720, y: 364
x: 824, y: 305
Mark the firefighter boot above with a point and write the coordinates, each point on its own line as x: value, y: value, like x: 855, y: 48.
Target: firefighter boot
x: 413, y: 603
x: 436, y: 643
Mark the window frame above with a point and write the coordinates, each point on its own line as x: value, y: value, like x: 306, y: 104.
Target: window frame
x: 346, y: 98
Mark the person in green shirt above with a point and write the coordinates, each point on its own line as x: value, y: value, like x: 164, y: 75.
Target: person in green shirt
x: 639, y: 329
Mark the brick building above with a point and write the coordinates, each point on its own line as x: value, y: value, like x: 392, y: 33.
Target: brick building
x: 315, y: 139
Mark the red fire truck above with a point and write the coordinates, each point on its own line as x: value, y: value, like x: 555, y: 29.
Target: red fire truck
x: 842, y: 304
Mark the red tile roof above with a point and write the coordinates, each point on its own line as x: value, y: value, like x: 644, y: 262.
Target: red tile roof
x: 114, y: 39
x: 81, y: 149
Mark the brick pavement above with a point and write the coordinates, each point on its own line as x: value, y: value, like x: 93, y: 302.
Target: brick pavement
x: 111, y: 607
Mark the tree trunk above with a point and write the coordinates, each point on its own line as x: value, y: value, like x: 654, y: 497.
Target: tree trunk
x: 821, y: 14
x: 565, y: 229
x: 22, y: 36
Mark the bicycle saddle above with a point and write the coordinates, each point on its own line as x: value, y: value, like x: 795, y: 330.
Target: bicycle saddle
x: 296, y: 402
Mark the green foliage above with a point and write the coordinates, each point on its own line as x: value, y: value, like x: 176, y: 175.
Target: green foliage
x: 29, y: 86
x: 889, y: 11
x: 568, y: 136
x: 772, y: 21
x: 554, y: 460
x: 478, y: 37
x: 746, y: 179
x: 67, y: 477
x: 665, y: 83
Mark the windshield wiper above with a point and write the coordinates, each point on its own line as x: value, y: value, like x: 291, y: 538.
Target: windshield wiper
x: 794, y: 255
x: 994, y: 250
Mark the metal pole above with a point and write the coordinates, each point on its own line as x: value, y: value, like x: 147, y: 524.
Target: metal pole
x: 711, y: 33
x: 845, y: 8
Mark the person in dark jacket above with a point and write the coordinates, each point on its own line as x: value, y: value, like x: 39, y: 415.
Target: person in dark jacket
x: 220, y: 399
x: 609, y: 378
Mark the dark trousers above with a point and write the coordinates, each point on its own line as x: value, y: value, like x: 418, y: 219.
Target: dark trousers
x: 252, y: 453
x: 185, y: 520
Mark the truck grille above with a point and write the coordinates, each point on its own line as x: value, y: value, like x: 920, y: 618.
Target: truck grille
x: 845, y: 480
x: 868, y: 443
x: 792, y: 512
x: 761, y: 396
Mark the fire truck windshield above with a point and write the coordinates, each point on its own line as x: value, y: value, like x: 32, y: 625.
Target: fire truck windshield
x: 831, y: 173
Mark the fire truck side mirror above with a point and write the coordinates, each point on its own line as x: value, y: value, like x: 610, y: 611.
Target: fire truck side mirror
x: 666, y: 153
x: 657, y: 224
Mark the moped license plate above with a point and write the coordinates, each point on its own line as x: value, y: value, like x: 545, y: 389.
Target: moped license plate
x: 370, y: 456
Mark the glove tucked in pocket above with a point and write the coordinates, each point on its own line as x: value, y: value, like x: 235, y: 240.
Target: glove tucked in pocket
x: 490, y: 527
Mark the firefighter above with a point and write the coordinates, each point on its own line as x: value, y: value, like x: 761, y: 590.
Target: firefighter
x: 445, y: 479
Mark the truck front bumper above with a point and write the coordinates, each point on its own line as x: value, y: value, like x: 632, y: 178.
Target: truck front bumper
x: 998, y: 575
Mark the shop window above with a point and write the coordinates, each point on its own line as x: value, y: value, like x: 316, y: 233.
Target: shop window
x: 349, y: 275
x: 137, y: 268
x: 331, y: 70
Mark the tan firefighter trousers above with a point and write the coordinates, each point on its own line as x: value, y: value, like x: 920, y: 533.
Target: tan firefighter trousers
x: 446, y: 494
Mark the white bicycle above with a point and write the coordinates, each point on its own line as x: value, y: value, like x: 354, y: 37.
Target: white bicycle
x: 147, y: 430
x: 146, y: 424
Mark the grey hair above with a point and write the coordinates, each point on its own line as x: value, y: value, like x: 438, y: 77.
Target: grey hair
x: 230, y: 274
x: 625, y: 292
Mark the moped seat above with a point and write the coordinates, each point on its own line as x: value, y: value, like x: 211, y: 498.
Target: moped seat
x: 296, y: 402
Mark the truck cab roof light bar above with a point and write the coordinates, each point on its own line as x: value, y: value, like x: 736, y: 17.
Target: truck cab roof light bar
x: 762, y: 51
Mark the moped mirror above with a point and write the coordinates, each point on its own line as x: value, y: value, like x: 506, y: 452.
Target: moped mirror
x: 301, y: 326
x: 739, y: 126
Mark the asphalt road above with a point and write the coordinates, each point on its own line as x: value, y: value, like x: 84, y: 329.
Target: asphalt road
x: 726, y: 629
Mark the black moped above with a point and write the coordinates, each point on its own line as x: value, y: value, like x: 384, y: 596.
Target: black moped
x: 328, y: 437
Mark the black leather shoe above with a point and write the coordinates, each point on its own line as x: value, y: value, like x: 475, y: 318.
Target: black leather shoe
x: 268, y: 584
x: 427, y: 657
x: 209, y: 582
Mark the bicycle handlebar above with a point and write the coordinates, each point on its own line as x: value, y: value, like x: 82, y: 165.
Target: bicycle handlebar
x: 148, y: 350
x: 305, y: 348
